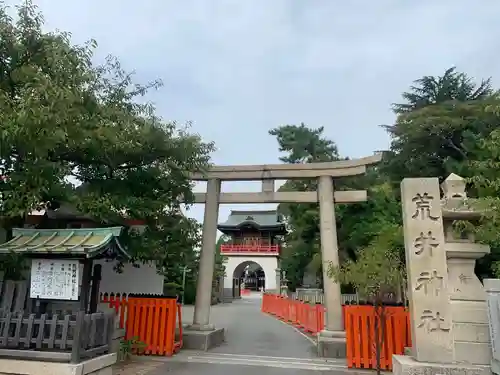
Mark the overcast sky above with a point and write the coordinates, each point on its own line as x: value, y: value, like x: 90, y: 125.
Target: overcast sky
x: 238, y: 68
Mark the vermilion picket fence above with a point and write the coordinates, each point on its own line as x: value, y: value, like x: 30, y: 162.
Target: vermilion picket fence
x: 308, y: 317
x: 359, y: 322
x: 361, y: 343
x: 150, y: 320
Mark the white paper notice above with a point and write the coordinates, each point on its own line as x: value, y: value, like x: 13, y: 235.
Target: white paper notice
x: 54, y: 279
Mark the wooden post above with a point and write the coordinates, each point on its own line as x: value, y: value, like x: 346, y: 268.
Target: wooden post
x: 86, y: 279
x: 94, y: 293
x: 111, y: 327
x: 77, y: 337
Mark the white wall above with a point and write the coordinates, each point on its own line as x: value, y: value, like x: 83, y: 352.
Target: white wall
x: 131, y: 280
x: 268, y: 264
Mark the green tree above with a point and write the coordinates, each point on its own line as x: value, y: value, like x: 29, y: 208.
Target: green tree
x: 484, y: 182
x: 377, y: 272
x: 435, y: 125
x: 304, y: 144
x: 301, y: 145
x: 448, y: 125
x: 452, y: 85
x: 469, y: 129
x: 359, y: 224
x: 438, y: 129
x: 65, y: 119
x: 378, y: 269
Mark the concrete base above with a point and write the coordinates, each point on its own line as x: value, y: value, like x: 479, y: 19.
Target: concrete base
x: 116, y: 339
x: 331, y: 347
x: 406, y: 365
x: 95, y: 366
x: 331, y: 344
x: 202, y: 339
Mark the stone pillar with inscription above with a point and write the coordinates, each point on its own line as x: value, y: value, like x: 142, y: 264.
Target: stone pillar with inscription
x: 432, y: 312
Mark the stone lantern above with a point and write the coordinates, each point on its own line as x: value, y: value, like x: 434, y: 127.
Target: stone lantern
x: 284, y: 284
x: 467, y: 295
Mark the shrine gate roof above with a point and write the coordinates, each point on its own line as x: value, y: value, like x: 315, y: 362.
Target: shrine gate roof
x: 78, y: 243
x: 263, y: 220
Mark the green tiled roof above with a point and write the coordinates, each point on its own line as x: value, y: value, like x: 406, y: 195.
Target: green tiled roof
x: 261, y: 219
x: 82, y: 243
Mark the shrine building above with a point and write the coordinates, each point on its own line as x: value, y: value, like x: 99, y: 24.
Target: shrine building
x: 253, y: 251
x: 60, y: 231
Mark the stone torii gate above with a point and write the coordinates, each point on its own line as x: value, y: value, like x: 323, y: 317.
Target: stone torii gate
x: 201, y: 334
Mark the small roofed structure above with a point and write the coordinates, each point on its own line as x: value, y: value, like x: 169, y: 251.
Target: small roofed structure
x: 252, y: 249
x: 91, y: 243
x: 263, y: 221
x: 252, y: 231
x: 57, y: 255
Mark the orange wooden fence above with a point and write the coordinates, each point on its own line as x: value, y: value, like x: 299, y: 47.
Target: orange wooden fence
x: 150, y: 320
x: 359, y: 322
x: 308, y: 317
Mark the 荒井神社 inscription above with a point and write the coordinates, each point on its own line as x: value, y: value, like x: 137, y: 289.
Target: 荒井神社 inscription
x: 423, y: 204
x: 428, y: 282
x: 432, y: 321
x: 427, y: 273
x: 425, y: 243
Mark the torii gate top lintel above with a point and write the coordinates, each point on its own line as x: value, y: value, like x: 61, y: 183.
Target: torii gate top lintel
x: 339, y: 168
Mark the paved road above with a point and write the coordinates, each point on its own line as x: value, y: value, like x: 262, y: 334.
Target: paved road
x: 255, y: 342
x: 249, y: 331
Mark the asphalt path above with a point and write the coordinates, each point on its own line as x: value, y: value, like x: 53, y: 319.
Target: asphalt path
x: 255, y: 343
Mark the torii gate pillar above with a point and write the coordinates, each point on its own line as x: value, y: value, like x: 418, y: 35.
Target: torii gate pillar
x: 201, y: 317
x: 331, y: 340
